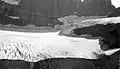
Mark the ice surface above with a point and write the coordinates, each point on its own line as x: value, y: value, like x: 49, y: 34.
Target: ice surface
x: 39, y: 46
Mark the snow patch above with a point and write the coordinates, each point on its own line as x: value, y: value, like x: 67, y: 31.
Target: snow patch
x: 14, y: 2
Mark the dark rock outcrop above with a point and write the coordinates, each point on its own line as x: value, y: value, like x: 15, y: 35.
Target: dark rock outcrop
x: 7, y: 10
x: 42, y: 13
x: 64, y: 7
x: 85, y: 8
x: 97, y: 7
x: 109, y: 33
x: 14, y: 64
x: 115, y: 13
x: 110, y: 62
x: 5, y: 20
x: 65, y: 63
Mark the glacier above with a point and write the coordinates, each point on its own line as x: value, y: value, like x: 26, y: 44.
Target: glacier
x: 34, y: 47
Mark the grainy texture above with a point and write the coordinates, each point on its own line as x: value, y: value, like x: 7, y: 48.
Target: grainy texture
x: 14, y: 64
x: 110, y: 62
x: 62, y: 63
x: 39, y: 46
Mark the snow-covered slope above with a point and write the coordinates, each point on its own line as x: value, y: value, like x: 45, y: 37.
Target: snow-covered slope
x: 88, y: 21
x: 33, y: 47
x: 39, y: 46
x: 103, y: 21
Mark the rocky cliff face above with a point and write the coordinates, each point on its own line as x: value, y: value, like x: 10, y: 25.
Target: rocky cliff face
x: 115, y: 13
x: 42, y: 13
x: 67, y: 7
x: 96, y: 7
x: 85, y: 8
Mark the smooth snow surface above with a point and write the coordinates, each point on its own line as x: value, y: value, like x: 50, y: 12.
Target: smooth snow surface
x: 39, y: 46
x: 116, y: 3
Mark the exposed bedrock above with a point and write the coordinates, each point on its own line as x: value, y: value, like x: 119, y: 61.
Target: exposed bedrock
x: 6, y: 20
x: 36, y: 12
x: 115, y: 13
x: 110, y: 62
x: 61, y: 63
x: 110, y: 34
x: 58, y: 8
x: 14, y: 64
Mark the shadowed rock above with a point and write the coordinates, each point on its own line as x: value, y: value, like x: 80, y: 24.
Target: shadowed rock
x: 115, y: 13
x: 14, y: 64
x: 108, y: 32
x: 65, y: 63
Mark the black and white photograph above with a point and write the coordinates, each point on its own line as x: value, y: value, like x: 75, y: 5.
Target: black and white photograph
x: 59, y: 34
